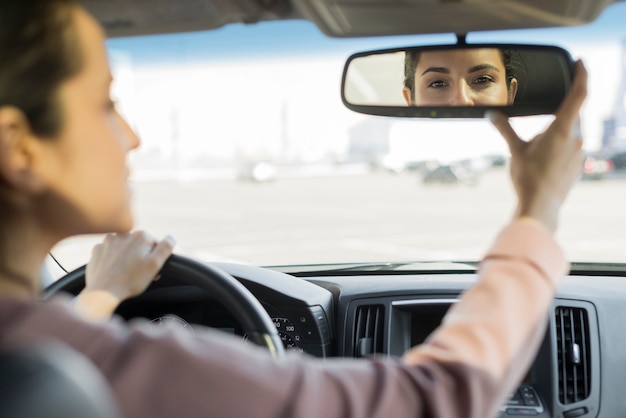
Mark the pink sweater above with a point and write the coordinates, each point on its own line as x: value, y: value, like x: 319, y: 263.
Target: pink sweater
x: 465, y: 369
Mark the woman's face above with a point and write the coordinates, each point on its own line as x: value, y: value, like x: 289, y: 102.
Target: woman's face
x: 465, y: 77
x: 86, y: 171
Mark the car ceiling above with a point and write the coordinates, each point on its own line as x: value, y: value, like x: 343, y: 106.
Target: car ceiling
x: 343, y: 18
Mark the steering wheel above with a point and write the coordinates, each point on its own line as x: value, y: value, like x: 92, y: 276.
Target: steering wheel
x: 235, y: 298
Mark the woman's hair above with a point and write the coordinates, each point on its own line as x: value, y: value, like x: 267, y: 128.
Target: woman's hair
x: 39, y: 50
x: 412, y: 57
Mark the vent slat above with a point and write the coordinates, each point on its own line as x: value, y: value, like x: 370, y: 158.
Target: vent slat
x: 368, y: 330
x: 561, y: 353
x: 583, y: 352
x: 377, y: 333
x: 573, y: 354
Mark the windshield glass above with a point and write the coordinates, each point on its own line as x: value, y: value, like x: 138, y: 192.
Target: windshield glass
x: 248, y: 154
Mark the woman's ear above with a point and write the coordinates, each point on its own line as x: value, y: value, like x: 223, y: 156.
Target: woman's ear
x: 18, y: 151
x: 512, y: 91
x: 406, y: 92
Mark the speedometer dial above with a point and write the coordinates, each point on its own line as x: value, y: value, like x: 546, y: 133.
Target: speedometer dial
x: 288, y: 334
x: 171, y: 320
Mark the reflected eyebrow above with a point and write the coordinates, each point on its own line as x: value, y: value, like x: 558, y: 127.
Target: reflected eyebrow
x: 442, y: 70
x: 482, y: 67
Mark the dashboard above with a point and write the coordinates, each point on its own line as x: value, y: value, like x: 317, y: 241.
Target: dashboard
x: 578, y: 371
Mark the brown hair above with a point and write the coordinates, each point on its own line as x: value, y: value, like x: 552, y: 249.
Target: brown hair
x: 38, y: 51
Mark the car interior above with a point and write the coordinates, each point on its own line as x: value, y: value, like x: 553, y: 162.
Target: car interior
x: 344, y: 305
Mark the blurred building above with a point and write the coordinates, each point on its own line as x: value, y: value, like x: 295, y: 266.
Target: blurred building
x: 614, y: 130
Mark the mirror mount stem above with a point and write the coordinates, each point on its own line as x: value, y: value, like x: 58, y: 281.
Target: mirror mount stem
x: 461, y: 38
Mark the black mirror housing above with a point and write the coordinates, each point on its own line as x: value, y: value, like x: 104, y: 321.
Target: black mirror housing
x: 375, y: 82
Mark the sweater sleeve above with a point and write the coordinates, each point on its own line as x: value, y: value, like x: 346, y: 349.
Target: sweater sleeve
x: 497, y: 327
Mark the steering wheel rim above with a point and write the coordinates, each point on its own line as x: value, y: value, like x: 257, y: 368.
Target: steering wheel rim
x: 234, y: 296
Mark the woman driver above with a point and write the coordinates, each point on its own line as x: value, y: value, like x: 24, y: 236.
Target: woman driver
x: 63, y: 150
x: 459, y: 77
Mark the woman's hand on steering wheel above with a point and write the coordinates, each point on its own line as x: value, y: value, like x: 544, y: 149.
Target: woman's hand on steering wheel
x: 228, y: 291
x: 122, y: 266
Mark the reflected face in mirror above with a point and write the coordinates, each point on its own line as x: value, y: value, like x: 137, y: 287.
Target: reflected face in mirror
x: 462, y: 77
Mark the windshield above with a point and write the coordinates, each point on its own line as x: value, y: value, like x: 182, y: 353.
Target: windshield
x: 248, y: 154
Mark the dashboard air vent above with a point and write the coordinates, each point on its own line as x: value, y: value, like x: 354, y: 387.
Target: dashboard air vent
x: 368, y: 330
x: 574, y: 358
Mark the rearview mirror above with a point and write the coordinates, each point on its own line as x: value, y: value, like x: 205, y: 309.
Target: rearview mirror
x: 457, y: 81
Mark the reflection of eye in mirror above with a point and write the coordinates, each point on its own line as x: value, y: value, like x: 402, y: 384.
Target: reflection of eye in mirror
x: 457, y: 81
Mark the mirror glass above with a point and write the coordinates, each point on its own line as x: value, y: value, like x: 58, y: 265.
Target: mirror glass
x: 457, y: 80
